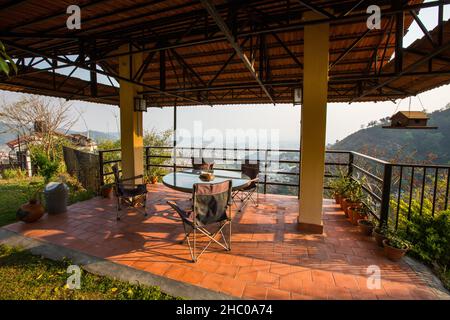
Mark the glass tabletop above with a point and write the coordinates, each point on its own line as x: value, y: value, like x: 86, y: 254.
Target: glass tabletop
x: 184, y: 181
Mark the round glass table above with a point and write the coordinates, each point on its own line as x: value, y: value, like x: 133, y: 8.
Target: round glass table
x: 184, y: 181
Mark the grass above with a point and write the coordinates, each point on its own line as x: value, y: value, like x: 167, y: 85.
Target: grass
x: 24, y: 276
x: 15, y: 192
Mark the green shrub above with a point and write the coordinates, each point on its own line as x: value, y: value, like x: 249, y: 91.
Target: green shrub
x: 429, y: 236
x: 8, y: 174
x: 46, y: 167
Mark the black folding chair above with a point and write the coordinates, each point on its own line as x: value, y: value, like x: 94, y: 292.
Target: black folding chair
x: 211, y: 208
x: 247, y: 193
x: 129, y: 194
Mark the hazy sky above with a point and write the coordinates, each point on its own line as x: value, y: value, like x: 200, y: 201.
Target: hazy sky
x: 343, y: 119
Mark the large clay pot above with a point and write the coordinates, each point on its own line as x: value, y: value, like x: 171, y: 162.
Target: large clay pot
x: 344, y: 206
x: 337, y: 198
x: 354, y: 215
x: 392, y: 253
x: 365, y: 227
x: 107, y: 192
x: 31, y: 211
x: 379, y: 237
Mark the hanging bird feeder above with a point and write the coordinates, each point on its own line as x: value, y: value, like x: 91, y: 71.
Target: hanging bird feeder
x: 410, y: 120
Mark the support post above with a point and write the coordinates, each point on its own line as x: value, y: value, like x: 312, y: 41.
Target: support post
x: 175, y: 137
x: 313, y: 126
x: 386, y: 194
x: 131, y: 124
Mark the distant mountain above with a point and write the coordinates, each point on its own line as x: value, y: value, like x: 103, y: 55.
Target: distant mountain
x: 402, y: 144
x: 99, y: 136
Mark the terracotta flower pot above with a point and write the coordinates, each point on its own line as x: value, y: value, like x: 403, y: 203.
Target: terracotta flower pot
x: 379, y: 238
x: 355, y: 215
x: 31, y: 211
x: 344, y: 206
x: 107, y: 192
x: 394, y: 254
x: 337, y: 198
x: 154, y: 180
x: 365, y: 228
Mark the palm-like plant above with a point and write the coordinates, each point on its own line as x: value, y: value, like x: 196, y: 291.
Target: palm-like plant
x: 6, y: 63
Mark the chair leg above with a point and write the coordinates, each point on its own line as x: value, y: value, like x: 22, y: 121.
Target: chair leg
x: 193, y: 249
x: 229, y: 236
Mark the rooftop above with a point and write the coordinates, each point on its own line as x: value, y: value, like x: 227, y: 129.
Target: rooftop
x: 189, y: 59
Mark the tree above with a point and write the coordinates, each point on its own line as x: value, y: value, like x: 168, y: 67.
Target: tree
x: 36, y: 115
x: 6, y: 63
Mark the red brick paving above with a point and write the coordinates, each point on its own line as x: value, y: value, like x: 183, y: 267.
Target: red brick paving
x: 270, y: 259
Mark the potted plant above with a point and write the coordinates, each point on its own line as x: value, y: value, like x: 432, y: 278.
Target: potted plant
x: 380, y: 234
x: 366, y: 226
x: 107, y: 190
x: 395, y: 247
x: 353, y: 197
x: 356, y: 213
x: 33, y: 210
x: 338, y: 186
x: 153, y: 179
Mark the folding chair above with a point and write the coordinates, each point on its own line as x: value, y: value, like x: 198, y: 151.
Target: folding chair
x: 211, y: 208
x: 247, y: 193
x: 129, y: 194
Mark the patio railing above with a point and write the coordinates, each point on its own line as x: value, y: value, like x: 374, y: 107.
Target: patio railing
x: 393, y: 190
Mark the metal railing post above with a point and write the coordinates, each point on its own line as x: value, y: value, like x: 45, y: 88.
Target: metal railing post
x: 386, y: 194
x: 146, y: 160
x: 100, y: 157
x: 351, y: 158
x: 266, y: 155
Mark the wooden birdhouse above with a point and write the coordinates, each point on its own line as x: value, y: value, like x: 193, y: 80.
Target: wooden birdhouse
x: 409, y: 120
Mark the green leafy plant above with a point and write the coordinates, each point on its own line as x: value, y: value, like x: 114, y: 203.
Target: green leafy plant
x: 363, y: 211
x: 6, y: 63
x: 429, y: 235
x: 35, y: 191
x: 354, y: 192
x: 46, y: 167
x: 340, y: 184
x: 17, y: 173
x: 395, y: 241
x: 383, y: 230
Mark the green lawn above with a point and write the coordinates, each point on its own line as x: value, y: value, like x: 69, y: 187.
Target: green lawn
x: 15, y: 192
x: 26, y: 276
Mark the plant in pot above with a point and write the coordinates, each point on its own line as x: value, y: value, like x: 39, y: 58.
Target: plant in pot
x: 153, y: 179
x: 33, y: 210
x: 354, y: 197
x: 338, y: 186
x: 395, y: 247
x: 107, y: 190
x: 380, y: 234
x: 366, y: 225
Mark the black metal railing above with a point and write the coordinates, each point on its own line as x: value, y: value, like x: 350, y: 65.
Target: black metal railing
x: 392, y: 190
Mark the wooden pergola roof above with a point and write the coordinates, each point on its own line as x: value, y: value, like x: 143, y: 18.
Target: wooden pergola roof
x: 221, y: 52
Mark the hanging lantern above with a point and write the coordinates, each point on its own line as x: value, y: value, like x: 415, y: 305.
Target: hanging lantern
x: 140, y: 104
x: 409, y: 120
x: 297, y: 96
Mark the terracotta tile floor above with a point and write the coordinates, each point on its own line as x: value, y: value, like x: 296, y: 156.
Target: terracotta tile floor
x: 270, y: 259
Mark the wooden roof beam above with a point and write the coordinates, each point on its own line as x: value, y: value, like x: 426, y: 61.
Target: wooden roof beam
x: 316, y: 9
x: 209, y: 6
